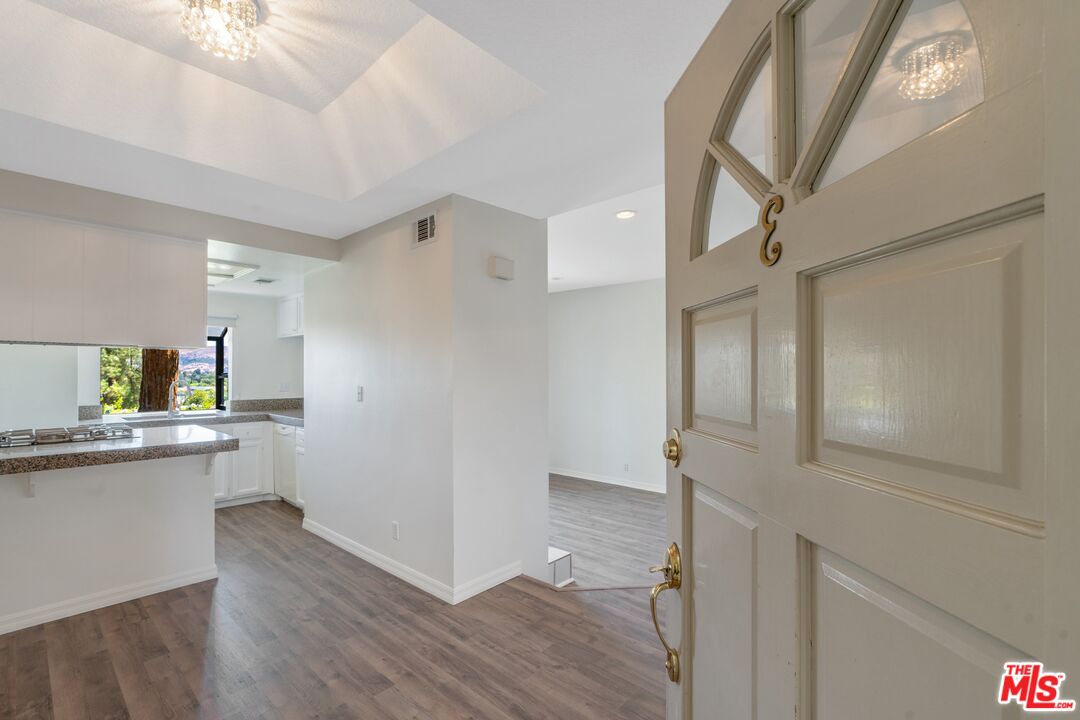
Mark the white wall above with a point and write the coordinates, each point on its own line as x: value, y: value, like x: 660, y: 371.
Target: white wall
x: 38, y: 386
x: 264, y: 365
x: 500, y: 395
x: 607, y: 384
x: 89, y: 383
x: 382, y: 318
x: 450, y: 440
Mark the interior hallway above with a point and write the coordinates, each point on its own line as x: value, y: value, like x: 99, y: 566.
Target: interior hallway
x: 614, y: 533
x: 297, y: 628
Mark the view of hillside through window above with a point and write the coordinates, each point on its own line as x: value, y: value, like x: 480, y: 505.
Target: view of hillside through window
x: 122, y: 378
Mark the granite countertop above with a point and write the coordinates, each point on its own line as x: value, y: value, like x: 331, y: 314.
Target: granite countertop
x: 149, y: 444
x: 294, y: 418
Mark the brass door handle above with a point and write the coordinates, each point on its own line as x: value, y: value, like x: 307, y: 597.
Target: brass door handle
x: 673, y: 448
x: 672, y: 570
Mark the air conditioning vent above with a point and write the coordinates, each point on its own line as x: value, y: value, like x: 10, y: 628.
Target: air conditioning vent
x: 264, y: 281
x: 425, y: 230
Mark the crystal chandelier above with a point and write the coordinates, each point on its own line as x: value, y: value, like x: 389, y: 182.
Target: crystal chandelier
x: 932, y: 69
x: 223, y: 27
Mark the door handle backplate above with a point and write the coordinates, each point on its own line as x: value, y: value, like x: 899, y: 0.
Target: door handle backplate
x: 672, y: 570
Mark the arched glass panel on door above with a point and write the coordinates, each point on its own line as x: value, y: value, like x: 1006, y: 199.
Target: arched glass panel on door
x: 930, y: 73
x: 752, y: 132
x: 825, y: 31
x: 730, y: 210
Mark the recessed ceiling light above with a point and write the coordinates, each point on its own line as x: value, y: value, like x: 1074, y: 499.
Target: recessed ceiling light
x: 222, y: 271
x: 625, y: 214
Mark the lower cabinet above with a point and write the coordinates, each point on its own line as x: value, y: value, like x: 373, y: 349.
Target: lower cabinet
x: 301, y: 461
x: 249, y: 471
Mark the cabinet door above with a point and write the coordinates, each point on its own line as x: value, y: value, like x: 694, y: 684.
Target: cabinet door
x: 57, y: 283
x: 300, y: 315
x: 168, y: 292
x: 301, y: 460
x: 248, y: 468
x: 16, y: 283
x: 222, y: 475
x: 288, y: 311
x: 106, y: 294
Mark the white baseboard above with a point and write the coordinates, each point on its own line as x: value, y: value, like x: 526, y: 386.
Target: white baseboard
x: 95, y: 601
x: 486, y: 582
x: 429, y: 585
x: 609, y: 480
x: 264, y: 497
x: 440, y: 590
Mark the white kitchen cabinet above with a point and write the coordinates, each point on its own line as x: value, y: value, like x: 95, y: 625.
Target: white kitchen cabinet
x: 285, y: 462
x: 290, y: 317
x: 57, y: 273
x: 106, y: 310
x: 248, y: 472
x: 222, y: 476
x: 63, y: 282
x: 248, y: 469
x: 167, y: 283
x: 301, y: 461
x: 16, y: 279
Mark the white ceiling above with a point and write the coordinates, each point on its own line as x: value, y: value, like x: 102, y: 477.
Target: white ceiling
x: 310, y: 50
x: 591, y: 247
x: 286, y: 270
x: 354, y: 110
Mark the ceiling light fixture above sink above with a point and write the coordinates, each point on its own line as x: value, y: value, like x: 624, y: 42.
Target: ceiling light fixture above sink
x: 222, y: 271
x: 226, y: 28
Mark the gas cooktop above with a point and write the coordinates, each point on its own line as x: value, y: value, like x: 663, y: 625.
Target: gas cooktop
x: 50, y: 436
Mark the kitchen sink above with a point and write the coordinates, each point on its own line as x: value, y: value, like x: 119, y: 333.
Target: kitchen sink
x: 141, y: 417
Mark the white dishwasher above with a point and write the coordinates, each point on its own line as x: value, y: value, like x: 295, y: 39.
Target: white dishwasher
x: 285, y: 462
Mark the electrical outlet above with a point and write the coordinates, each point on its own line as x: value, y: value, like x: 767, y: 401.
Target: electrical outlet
x: 395, y: 529
x: 359, y: 393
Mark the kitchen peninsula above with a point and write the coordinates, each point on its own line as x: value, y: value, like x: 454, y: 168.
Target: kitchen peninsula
x: 93, y: 523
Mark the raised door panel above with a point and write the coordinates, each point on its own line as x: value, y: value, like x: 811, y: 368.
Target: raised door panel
x: 248, y: 468
x: 16, y: 278
x: 927, y: 376
x: 871, y: 646
x: 722, y: 553
x: 105, y: 288
x: 222, y: 476
x: 57, y: 282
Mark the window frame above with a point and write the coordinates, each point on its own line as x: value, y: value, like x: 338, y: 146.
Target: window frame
x: 221, y: 374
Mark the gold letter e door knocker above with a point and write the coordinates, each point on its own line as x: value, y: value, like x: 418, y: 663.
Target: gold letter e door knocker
x: 770, y: 253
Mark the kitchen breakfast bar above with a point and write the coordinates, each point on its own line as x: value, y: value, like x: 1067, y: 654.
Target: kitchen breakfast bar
x: 96, y: 519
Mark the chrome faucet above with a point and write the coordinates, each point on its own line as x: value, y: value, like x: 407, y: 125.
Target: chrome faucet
x: 173, y: 410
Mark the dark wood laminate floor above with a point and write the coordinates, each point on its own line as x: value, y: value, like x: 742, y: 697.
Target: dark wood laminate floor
x: 614, y: 533
x: 296, y: 628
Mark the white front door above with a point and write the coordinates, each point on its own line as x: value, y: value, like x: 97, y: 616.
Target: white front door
x: 876, y: 502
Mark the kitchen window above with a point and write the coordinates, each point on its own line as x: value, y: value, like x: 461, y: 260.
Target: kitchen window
x: 136, y: 380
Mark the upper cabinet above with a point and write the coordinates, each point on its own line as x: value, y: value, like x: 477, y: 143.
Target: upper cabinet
x: 290, y: 318
x: 65, y: 283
